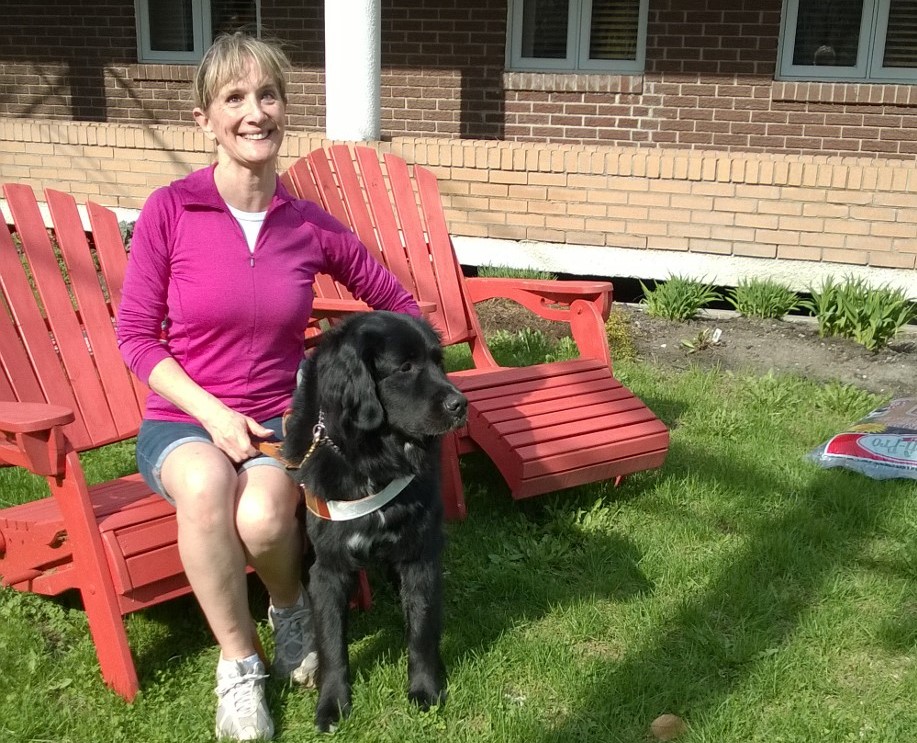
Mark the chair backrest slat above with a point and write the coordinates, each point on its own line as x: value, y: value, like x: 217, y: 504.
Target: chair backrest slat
x: 18, y: 374
x: 427, y: 281
x: 454, y: 301
x: 106, y: 236
x: 298, y: 180
x: 95, y: 313
x: 354, y: 197
x: 397, y: 209
x: 58, y: 340
x: 42, y: 360
x: 381, y: 208
x: 301, y: 181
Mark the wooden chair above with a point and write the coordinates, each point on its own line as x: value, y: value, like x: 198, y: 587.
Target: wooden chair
x: 546, y: 427
x: 64, y: 389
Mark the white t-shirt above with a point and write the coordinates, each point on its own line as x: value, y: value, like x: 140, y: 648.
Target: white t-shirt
x: 250, y: 222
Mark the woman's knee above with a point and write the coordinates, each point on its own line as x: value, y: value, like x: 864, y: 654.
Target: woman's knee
x: 202, y: 482
x: 266, y: 513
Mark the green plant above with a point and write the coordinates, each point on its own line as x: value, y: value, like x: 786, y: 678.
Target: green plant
x: 845, y: 398
x: 705, y: 339
x: 869, y: 315
x: 507, y: 272
x: 679, y: 298
x: 521, y: 348
x: 620, y: 338
x: 825, y: 304
x: 127, y: 232
x: 762, y: 298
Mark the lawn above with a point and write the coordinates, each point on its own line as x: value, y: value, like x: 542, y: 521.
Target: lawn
x: 741, y: 587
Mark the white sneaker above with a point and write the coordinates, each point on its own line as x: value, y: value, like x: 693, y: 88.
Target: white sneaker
x: 295, y: 657
x: 242, y: 712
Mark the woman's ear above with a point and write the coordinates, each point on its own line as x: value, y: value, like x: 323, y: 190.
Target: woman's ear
x: 203, y: 121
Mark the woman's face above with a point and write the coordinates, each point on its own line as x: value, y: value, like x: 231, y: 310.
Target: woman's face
x: 246, y: 119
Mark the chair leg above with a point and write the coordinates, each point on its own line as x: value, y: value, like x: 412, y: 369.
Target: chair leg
x: 453, y: 490
x: 362, y: 596
x: 103, y: 611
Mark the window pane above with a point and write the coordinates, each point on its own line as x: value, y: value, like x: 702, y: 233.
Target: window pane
x: 544, y: 28
x: 828, y: 32
x: 227, y: 16
x: 613, y: 33
x: 171, y: 26
x: 901, y: 37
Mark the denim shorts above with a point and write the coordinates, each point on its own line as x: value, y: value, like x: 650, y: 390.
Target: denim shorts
x: 157, y: 439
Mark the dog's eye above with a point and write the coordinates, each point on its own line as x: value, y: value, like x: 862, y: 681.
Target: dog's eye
x: 406, y: 367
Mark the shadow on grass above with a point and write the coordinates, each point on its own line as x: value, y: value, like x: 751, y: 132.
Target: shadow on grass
x: 745, y: 614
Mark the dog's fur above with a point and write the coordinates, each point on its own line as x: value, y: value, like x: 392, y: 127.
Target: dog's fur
x: 379, y: 381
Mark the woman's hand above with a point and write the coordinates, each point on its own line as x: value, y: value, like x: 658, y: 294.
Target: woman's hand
x: 232, y: 432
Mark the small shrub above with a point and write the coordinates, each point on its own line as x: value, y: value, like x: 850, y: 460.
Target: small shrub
x: 871, y: 316
x: 620, y: 338
x: 127, y: 232
x: 884, y: 312
x: 762, y: 298
x: 679, y: 298
x: 506, y: 272
x: 826, y: 306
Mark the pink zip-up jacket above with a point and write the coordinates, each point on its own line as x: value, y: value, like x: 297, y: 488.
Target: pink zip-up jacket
x: 234, y: 319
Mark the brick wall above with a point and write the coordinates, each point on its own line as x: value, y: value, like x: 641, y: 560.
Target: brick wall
x: 852, y: 211
x: 708, y: 81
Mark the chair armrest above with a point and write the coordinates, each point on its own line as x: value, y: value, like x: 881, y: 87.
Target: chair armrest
x: 583, y: 305
x: 338, y: 309
x: 547, y: 298
x: 31, y: 436
x: 333, y: 308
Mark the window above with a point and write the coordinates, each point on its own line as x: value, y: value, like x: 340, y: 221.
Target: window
x: 180, y: 30
x: 849, y: 40
x: 577, y: 35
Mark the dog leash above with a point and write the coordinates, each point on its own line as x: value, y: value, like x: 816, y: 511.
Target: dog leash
x: 333, y: 510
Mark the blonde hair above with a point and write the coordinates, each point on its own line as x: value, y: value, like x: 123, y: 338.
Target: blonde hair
x: 227, y: 59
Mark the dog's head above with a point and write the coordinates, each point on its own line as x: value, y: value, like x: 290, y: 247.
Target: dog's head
x: 384, y: 369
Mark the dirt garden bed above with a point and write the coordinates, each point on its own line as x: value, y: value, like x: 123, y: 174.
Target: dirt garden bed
x: 744, y: 344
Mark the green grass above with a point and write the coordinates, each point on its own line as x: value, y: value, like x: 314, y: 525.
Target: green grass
x: 741, y: 587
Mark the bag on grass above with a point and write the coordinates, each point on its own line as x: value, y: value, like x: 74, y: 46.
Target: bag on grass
x: 882, y: 445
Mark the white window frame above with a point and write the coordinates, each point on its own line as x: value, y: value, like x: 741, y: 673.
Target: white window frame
x: 203, y: 33
x: 577, y: 59
x: 870, y: 51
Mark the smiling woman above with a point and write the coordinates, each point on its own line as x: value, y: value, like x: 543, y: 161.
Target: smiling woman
x: 240, y: 97
x: 222, y: 263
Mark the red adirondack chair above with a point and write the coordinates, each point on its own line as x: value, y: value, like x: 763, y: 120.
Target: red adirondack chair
x: 546, y: 427
x: 64, y: 389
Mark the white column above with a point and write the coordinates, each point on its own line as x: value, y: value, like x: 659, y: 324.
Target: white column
x: 353, y: 51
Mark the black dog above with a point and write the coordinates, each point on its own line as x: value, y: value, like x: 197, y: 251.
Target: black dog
x: 370, y: 411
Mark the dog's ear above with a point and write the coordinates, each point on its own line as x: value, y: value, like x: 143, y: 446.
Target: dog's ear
x: 346, y: 382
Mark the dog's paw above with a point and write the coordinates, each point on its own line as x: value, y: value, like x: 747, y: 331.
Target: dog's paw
x: 426, y: 698
x: 331, y: 709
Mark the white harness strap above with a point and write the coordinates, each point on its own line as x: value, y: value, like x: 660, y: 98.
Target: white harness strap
x: 347, y: 510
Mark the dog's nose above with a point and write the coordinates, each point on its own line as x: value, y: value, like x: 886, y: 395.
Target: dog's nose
x: 455, y: 403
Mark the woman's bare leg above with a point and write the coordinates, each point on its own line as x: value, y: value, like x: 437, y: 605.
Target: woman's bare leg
x: 204, y: 484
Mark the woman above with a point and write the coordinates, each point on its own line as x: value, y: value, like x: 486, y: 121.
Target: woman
x: 216, y: 300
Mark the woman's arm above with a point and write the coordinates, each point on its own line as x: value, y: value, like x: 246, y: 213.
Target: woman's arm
x: 231, y: 431
x: 140, y: 318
